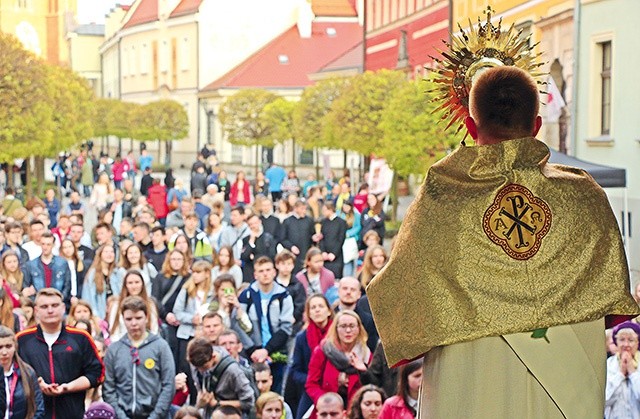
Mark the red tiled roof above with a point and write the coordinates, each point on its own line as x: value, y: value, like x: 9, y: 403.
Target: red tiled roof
x: 303, y: 55
x: 147, y: 11
x: 186, y: 7
x: 350, y: 59
x: 342, y: 8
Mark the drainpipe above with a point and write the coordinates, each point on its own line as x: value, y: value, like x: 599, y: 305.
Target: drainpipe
x: 574, y: 85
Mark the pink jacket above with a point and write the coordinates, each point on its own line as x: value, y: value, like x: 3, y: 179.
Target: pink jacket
x: 395, y: 408
x: 327, y: 279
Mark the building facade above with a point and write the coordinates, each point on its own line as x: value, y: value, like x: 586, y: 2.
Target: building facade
x: 41, y: 26
x: 402, y: 34
x: 170, y: 49
x: 549, y: 23
x: 608, y: 96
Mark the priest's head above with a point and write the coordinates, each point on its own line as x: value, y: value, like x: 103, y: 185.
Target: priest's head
x: 503, y: 105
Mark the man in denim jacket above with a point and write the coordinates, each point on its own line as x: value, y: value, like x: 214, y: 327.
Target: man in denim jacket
x: 47, y: 271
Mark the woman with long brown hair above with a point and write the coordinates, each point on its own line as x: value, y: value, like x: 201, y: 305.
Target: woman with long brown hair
x: 336, y: 363
x: 318, y: 318
x: 226, y: 264
x: 102, y: 280
x: 81, y: 310
x: 7, y: 316
x: 404, y: 404
x: 132, y: 284
x: 367, y: 403
x: 12, y: 275
x: 165, y: 289
x: 25, y: 398
x: 133, y: 258
x: 77, y: 268
x: 374, y: 260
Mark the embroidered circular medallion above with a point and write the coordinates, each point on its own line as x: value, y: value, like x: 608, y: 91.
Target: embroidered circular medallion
x: 517, y: 221
x: 149, y: 363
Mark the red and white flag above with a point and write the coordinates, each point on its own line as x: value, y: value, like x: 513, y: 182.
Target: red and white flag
x: 555, y: 102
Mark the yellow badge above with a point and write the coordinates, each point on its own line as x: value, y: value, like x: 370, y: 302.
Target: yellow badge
x: 149, y: 363
x: 517, y: 221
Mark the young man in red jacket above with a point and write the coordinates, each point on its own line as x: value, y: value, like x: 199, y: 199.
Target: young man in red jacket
x: 64, y: 358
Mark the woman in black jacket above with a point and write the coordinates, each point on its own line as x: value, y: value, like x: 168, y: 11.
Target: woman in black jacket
x: 25, y: 398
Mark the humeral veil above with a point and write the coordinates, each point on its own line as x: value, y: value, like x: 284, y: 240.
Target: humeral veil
x: 493, y: 245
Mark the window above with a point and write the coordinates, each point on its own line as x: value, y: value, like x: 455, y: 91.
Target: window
x: 305, y: 157
x: 164, y: 56
x: 133, y: 59
x: 144, y: 59
x: 127, y: 63
x: 184, y: 54
x: 605, y: 90
x: 236, y: 153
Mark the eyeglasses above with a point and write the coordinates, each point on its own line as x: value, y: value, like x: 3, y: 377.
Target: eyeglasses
x: 348, y: 326
x: 135, y: 357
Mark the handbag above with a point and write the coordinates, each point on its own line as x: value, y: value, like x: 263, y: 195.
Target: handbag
x: 350, y: 249
x: 173, y: 205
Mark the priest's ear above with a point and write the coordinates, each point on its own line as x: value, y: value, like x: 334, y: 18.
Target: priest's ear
x: 471, y: 127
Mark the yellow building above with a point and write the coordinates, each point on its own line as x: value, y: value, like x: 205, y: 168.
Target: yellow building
x: 549, y: 22
x: 41, y: 25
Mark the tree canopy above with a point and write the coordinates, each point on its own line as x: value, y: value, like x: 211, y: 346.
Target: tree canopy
x: 241, y: 116
x: 310, y: 124
x: 412, y: 139
x: 25, y: 112
x: 354, y: 118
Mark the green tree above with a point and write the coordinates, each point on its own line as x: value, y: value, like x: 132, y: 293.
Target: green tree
x: 353, y: 121
x: 73, y: 111
x: 25, y: 114
x: 413, y: 139
x: 279, y: 116
x: 310, y: 122
x: 242, y: 121
x: 164, y: 121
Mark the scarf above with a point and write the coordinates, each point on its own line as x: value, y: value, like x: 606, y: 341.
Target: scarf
x: 315, y: 334
x: 340, y: 360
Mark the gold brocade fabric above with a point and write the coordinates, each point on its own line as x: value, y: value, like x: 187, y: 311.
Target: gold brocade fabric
x: 457, y: 274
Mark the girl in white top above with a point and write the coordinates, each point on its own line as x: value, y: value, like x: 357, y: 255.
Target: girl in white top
x: 227, y: 265
x: 102, y: 193
x: 132, y: 258
x: 133, y: 284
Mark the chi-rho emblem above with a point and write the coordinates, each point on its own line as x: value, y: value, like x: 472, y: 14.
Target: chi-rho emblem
x: 517, y: 221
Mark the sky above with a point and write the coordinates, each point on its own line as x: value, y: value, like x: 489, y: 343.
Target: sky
x: 93, y: 11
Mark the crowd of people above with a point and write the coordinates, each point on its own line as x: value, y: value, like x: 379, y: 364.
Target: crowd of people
x: 223, y: 298
x: 234, y: 299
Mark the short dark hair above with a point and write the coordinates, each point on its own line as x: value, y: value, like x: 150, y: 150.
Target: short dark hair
x: 36, y: 221
x: 48, y: 235
x: 142, y: 225
x: 134, y: 303
x: 262, y: 260
x: 504, y: 102
x: 260, y: 367
x: 103, y: 225
x: 158, y: 228
x: 13, y: 226
x: 49, y: 292
x: 211, y: 315
x: 284, y: 256
x: 239, y: 208
x: 199, y: 352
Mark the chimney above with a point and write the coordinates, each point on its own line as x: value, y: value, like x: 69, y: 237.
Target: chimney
x: 305, y: 18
